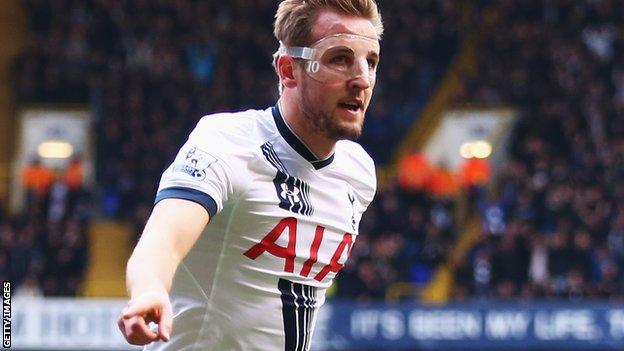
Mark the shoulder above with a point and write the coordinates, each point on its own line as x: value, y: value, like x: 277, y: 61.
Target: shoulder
x: 353, y: 155
x: 238, y: 132
x: 232, y: 126
x: 230, y: 137
x: 357, y: 164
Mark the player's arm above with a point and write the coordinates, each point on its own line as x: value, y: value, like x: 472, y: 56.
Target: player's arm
x: 172, y: 229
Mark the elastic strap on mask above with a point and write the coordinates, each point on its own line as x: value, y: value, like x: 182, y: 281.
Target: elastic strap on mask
x: 301, y: 52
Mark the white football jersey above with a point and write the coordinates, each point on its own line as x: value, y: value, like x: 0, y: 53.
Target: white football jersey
x: 282, y: 224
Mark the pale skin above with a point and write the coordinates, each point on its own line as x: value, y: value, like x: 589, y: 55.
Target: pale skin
x: 324, y: 96
x: 172, y: 229
x: 175, y: 224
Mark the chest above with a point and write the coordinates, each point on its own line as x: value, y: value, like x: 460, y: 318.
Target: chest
x: 282, y: 186
x: 298, y: 220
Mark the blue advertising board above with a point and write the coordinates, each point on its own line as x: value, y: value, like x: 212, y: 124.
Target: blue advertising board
x: 346, y: 325
x: 91, y: 324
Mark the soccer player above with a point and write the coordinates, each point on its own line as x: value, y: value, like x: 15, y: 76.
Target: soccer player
x: 283, y: 189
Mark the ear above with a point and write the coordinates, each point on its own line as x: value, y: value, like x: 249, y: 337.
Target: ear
x: 286, y: 69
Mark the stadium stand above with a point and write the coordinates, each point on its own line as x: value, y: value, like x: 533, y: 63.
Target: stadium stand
x: 150, y: 69
x: 553, y: 224
x: 515, y: 254
x: 44, y: 248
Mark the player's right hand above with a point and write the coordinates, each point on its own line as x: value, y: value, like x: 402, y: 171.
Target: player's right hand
x: 140, y: 311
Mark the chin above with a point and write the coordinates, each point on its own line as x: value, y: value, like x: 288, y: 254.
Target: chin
x: 349, y: 133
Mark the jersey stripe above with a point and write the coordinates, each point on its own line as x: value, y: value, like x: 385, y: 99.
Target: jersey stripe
x: 301, y: 307
x: 305, y: 190
x: 304, y: 205
x: 298, y: 308
x: 288, y: 315
x: 308, y: 319
x: 271, y: 156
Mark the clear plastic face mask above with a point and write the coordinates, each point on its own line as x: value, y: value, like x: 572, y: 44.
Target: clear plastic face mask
x: 338, y: 58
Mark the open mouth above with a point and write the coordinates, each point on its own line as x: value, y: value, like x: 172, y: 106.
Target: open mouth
x: 351, y: 106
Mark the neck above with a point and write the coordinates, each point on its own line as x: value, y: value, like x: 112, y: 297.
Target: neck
x: 321, y: 146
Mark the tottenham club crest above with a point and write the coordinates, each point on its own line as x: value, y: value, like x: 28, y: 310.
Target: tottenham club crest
x: 195, y: 163
x: 351, y: 197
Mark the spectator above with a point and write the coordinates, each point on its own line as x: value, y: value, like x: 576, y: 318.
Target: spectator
x: 37, y: 180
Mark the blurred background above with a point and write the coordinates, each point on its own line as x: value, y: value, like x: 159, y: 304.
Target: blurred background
x: 497, y: 128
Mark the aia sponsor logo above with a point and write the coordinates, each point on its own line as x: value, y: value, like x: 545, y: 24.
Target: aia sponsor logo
x: 268, y: 245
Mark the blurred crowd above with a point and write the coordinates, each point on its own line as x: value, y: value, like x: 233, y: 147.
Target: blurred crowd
x: 408, y: 230
x: 404, y: 235
x: 552, y: 222
x: 43, y: 248
x: 150, y: 69
x: 553, y: 225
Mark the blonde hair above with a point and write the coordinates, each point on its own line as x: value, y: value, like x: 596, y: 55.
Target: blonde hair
x: 294, y: 18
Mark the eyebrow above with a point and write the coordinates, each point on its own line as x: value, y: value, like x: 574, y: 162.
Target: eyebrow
x: 347, y: 49
x: 340, y: 49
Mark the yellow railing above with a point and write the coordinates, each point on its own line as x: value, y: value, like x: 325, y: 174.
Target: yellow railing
x: 12, y: 34
x: 5, y: 171
x: 109, y: 248
x: 401, y: 290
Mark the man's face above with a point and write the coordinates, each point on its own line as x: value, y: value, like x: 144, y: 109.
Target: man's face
x: 336, y: 109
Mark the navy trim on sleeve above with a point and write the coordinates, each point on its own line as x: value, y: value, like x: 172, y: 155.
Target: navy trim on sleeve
x: 189, y: 194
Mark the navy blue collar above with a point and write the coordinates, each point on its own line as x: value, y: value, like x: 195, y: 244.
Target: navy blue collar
x: 296, y: 143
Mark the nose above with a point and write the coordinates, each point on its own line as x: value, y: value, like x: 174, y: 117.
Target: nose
x: 361, y: 76
x: 361, y: 82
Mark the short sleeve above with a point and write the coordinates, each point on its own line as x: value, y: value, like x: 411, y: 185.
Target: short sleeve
x: 204, y: 170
